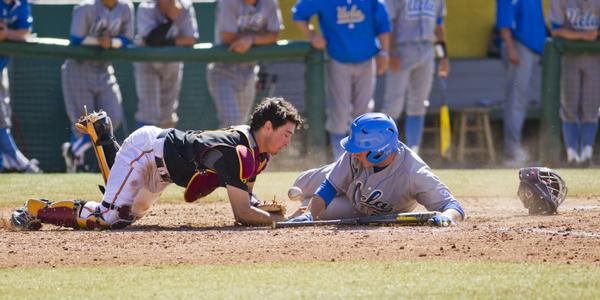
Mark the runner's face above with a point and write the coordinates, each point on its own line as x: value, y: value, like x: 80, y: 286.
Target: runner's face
x: 362, y: 158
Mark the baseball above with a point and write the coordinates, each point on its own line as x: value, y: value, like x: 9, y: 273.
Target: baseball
x: 295, y: 194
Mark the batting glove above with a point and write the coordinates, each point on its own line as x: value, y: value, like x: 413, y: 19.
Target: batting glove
x: 306, y: 217
x: 441, y: 221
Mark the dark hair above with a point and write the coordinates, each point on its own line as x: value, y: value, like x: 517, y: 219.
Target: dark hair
x: 276, y: 110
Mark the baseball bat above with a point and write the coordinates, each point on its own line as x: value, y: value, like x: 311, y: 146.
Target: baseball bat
x: 445, y: 134
x: 406, y: 219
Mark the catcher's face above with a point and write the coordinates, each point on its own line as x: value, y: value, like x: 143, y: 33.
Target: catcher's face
x: 277, y: 139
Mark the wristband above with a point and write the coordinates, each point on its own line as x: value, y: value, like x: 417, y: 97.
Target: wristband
x: 116, y: 43
x: 440, y: 49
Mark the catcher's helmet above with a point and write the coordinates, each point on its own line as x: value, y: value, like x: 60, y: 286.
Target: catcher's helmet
x: 374, y: 132
x: 541, y: 190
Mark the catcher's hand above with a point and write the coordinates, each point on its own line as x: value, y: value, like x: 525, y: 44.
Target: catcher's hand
x: 273, y: 207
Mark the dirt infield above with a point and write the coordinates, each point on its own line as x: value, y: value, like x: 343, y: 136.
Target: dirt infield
x: 496, y: 229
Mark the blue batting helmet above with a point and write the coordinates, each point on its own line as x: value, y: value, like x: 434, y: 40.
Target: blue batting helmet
x: 374, y: 132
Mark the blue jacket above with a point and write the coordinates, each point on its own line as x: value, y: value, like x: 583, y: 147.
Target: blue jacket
x: 349, y: 27
x: 525, y: 18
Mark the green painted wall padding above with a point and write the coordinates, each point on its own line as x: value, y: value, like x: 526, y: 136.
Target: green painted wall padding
x: 40, y: 121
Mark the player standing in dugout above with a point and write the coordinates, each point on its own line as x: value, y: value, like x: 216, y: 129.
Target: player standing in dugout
x: 151, y: 158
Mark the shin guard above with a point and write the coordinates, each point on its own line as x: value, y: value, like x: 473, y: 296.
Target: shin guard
x: 99, y: 127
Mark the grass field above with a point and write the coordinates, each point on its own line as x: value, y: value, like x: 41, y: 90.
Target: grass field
x: 344, y: 280
x: 371, y: 278
x: 464, y: 183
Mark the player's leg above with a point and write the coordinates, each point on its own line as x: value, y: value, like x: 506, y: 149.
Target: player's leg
x: 419, y: 88
x: 221, y: 83
x: 569, y: 105
x: 396, y: 82
x: 246, y: 90
x: 77, y: 93
x: 133, y: 184
x: 338, y: 104
x: 309, y: 180
x: 10, y: 153
x: 363, y: 87
x: 519, y: 81
x: 170, y: 87
x: 148, y: 88
x: 97, y: 126
x: 133, y: 179
x: 109, y: 96
x: 590, y: 102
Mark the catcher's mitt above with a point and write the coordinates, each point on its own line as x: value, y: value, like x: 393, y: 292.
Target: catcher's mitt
x: 273, y: 206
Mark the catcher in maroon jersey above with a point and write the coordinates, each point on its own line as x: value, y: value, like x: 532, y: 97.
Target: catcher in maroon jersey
x: 152, y: 158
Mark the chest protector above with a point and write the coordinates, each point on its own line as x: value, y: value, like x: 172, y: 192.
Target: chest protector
x: 251, y: 163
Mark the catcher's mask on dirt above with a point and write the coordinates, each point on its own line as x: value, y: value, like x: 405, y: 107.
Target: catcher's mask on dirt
x: 541, y: 190
x: 373, y: 132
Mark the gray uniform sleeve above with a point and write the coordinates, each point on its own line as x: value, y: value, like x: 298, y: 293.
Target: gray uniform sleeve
x: 146, y: 21
x: 127, y: 30
x: 392, y: 9
x: 274, y: 22
x: 442, y: 9
x: 227, y: 14
x: 186, y: 21
x: 557, y: 15
x: 80, y: 23
x: 341, y: 173
x: 429, y: 191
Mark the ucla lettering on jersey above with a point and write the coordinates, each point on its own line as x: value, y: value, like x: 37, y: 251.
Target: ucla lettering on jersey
x: 253, y: 21
x: 349, y: 16
x: 369, y: 202
x: 103, y: 26
x: 416, y: 9
x: 582, y: 20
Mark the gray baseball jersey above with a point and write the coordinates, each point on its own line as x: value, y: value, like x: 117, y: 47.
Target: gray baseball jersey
x: 92, y: 83
x: 403, y: 184
x: 415, y: 20
x: 413, y: 29
x: 158, y: 84
x: 232, y: 85
x: 581, y: 97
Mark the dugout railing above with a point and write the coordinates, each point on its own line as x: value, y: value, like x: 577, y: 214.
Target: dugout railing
x: 550, y: 135
x: 39, y: 122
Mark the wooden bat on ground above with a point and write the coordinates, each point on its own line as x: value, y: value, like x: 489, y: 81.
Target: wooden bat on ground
x: 402, y: 219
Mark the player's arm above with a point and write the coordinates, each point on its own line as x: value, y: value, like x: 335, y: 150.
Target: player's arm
x: 318, y: 203
x: 21, y: 28
x: 14, y: 34
x: 442, y: 52
x: 246, y: 214
x: 263, y: 38
x: 186, y: 21
x: 316, y: 40
x: 302, y: 12
x: 504, y: 22
x: 569, y: 34
x: 558, y: 19
x: 383, y: 57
